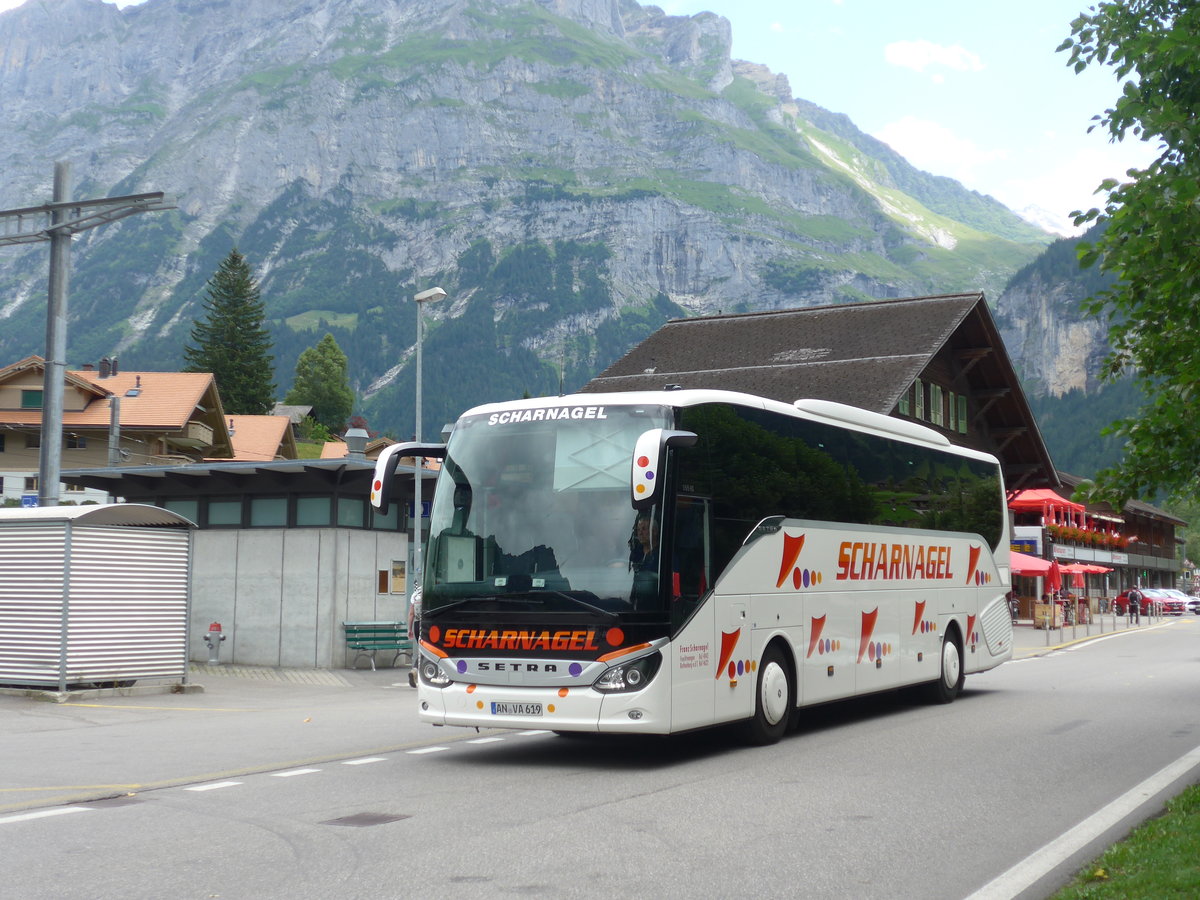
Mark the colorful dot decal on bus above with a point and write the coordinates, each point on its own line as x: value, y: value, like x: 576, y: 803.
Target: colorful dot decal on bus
x: 920, y: 623
x: 615, y: 637
x: 575, y: 669
x: 865, y: 644
x: 729, y: 641
x: 974, y: 572
x: 461, y: 665
x: 792, y: 545
x: 435, y: 633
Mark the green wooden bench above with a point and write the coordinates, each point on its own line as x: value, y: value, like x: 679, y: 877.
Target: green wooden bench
x: 370, y: 637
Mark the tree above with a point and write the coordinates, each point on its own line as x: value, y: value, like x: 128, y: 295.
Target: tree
x: 322, y: 382
x: 1150, y: 240
x: 232, y: 342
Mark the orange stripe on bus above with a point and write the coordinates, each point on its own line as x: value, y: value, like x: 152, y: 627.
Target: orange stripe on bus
x: 625, y: 651
x: 436, y: 651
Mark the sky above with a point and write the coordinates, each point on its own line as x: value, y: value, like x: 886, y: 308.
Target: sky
x: 973, y: 91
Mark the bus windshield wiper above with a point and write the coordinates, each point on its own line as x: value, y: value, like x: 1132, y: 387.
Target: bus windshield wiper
x: 578, y: 601
x: 519, y: 599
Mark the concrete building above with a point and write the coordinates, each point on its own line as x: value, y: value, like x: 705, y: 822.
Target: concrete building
x: 284, y: 551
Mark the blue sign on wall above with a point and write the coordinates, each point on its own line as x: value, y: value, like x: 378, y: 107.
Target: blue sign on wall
x: 29, y: 501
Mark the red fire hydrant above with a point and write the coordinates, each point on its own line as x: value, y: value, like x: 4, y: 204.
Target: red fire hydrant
x: 213, y: 639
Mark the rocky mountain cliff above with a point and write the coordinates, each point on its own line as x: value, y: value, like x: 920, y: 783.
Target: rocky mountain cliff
x: 573, y: 172
x: 1053, y: 344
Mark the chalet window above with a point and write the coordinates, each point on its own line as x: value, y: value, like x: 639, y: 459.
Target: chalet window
x: 918, y: 399
x: 31, y: 399
x: 1, y: 443
x: 33, y: 441
x: 31, y: 484
x: 905, y: 402
x: 937, y: 414
x: 951, y: 411
x: 962, y: 414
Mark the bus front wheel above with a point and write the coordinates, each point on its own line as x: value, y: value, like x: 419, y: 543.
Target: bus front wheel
x: 773, y: 699
x: 951, y: 677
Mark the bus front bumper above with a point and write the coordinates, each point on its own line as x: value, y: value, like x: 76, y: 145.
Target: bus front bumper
x: 554, y: 709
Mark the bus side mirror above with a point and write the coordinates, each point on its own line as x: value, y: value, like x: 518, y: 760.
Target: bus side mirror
x: 648, y: 455
x: 385, y: 469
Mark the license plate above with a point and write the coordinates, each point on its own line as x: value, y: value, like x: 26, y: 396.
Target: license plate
x: 516, y: 709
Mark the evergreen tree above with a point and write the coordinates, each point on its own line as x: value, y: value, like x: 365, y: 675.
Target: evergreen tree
x: 323, y: 383
x: 232, y: 342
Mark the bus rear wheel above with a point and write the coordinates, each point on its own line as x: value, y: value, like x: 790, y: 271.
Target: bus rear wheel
x: 772, y: 699
x: 950, y: 679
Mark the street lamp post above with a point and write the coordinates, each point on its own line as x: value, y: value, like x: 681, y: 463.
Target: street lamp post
x: 430, y: 296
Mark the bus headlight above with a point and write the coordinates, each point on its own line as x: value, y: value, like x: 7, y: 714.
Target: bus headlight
x: 432, y: 674
x: 629, y: 676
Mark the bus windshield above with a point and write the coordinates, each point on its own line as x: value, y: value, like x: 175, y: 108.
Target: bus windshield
x: 532, y: 513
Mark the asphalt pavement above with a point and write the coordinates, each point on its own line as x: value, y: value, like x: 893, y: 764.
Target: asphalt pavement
x: 94, y: 745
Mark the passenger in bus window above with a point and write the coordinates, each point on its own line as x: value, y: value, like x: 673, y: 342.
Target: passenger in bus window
x: 643, y: 545
x: 643, y: 560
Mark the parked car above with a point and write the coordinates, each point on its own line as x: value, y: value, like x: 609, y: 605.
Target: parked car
x: 1149, y: 595
x: 1172, y: 605
x: 1190, y: 604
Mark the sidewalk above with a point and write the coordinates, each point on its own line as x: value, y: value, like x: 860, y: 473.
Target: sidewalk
x: 1029, y: 641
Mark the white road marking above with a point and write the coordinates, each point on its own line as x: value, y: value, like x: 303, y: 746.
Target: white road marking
x: 427, y: 750
x: 1037, y: 864
x: 293, y: 772
x: 214, y: 786
x: 487, y: 740
x: 363, y: 761
x: 43, y: 813
x: 541, y: 731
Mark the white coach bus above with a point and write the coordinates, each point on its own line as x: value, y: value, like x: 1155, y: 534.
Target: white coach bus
x: 656, y: 562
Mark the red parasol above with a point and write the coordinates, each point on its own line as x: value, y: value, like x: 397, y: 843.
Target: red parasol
x: 1054, y: 577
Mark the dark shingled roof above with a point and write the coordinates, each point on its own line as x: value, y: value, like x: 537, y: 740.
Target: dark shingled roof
x: 863, y: 354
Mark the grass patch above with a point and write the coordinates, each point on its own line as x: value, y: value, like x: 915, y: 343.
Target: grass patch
x: 308, y: 450
x: 1159, y: 859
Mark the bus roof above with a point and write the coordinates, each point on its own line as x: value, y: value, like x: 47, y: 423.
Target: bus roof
x: 837, y: 414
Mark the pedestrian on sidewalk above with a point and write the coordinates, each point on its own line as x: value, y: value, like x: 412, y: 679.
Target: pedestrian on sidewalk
x: 1135, y: 606
x: 414, y: 632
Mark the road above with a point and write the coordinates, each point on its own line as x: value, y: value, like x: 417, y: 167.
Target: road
x: 883, y: 797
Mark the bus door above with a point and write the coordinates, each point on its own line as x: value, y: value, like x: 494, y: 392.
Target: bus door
x: 692, y: 614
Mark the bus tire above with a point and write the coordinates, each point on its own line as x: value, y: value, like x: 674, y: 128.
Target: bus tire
x: 950, y: 675
x: 773, y: 699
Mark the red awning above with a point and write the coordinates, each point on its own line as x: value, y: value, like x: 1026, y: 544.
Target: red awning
x: 1024, y: 564
x: 1042, y: 498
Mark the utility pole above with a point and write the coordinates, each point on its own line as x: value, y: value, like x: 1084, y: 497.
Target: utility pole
x: 57, y: 222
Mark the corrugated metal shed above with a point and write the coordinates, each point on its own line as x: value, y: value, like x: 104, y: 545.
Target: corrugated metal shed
x: 93, y: 594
